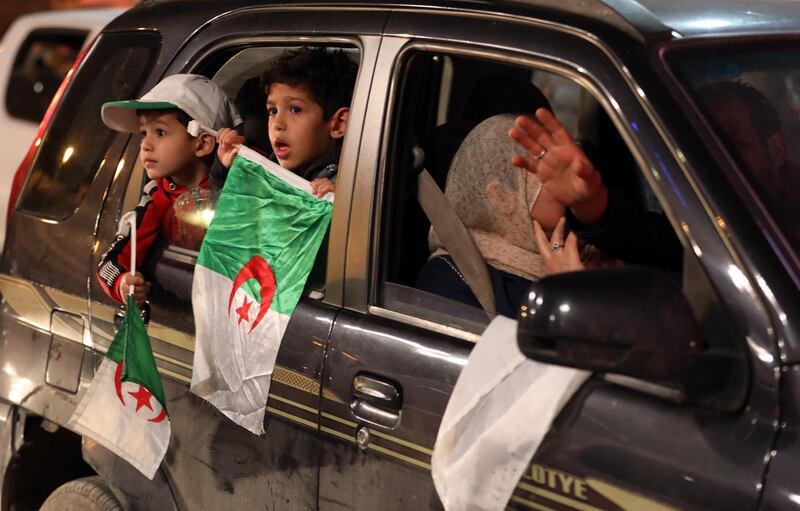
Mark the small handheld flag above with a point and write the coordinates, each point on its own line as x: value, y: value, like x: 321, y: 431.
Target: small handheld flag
x: 124, y: 408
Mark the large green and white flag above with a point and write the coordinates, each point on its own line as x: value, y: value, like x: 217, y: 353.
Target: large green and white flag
x: 250, y: 274
x: 124, y: 408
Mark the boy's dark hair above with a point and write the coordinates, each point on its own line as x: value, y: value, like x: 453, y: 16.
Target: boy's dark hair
x: 329, y: 76
x: 180, y: 115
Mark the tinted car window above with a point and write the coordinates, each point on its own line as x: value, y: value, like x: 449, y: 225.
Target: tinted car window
x: 39, y: 67
x: 751, y: 97
x: 63, y: 170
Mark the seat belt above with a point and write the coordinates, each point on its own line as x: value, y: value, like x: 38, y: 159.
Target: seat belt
x: 454, y: 236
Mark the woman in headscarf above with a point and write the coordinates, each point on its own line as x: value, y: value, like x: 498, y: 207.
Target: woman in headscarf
x: 497, y: 203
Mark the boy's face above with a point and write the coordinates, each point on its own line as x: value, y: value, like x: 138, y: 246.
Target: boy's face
x: 166, y: 149
x: 298, y: 131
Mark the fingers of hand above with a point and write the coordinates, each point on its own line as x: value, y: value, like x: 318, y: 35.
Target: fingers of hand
x: 572, y: 253
x: 571, y: 242
x: 322, y: 186
x: 136, y: 279
x: 558, y: 232
x: 555, y: 130
x: 542, y: 243
x: 525, y: 163
x: 522, y: 136
x: 141, y: 291
x: 530, y: 134
x: 229, y: 137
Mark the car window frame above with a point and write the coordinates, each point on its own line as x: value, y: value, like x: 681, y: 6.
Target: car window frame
x: 515, y: 58
x: 654, y: 151
x: 350, y: 145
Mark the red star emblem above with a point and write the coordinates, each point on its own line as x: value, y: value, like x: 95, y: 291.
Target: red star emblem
x: 142, y: 397
x: 244, y: 311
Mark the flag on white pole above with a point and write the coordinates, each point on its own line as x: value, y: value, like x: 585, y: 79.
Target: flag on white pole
x: 124, y: 408
x: 250, y: 274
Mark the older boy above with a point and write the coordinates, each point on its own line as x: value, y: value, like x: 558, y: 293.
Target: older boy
x: 174, y: 160
x: 308, y: 102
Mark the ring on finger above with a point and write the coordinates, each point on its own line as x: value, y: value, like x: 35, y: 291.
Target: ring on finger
x: 556, y: 246
x: 540, y: 155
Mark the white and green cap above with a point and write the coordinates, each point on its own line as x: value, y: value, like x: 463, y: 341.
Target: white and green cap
x: 203, y: 100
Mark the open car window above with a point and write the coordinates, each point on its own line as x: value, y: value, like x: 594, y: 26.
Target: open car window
x: 238, y: 73
x: 442, y: 97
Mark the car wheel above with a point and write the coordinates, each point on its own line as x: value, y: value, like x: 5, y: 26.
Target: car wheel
x: 86, y: 494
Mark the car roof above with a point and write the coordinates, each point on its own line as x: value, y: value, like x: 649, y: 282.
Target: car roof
x: 696, y: 18
x: 643, y: 21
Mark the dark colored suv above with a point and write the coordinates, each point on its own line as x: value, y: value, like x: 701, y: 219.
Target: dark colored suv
x: 368, y: 361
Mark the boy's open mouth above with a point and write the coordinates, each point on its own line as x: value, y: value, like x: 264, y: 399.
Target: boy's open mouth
x: 281, y: 149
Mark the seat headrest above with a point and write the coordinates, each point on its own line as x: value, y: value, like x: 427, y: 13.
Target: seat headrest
x: 497, y: 94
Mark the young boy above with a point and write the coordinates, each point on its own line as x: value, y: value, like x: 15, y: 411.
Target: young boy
x: 308, y: 102
x: 174, y: 160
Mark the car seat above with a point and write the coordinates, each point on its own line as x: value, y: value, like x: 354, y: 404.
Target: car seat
x: 251, y: 101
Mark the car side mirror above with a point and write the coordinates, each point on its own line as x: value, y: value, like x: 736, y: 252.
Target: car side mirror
x: 629, y: 321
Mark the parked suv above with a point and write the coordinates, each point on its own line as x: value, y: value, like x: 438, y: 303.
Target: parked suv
x: 368, y: 361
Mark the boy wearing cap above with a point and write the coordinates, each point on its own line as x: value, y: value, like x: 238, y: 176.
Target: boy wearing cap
x: 175, y: 161
x: 308, y: 102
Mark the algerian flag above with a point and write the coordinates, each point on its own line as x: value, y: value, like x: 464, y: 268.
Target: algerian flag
x: 250, y: 274
x: 124, y: 408
x: 498, y: 414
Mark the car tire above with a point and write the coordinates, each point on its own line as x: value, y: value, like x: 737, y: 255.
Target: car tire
x: 86, y: 494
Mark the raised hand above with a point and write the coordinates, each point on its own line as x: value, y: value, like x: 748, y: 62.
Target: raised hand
x: 558, y: 162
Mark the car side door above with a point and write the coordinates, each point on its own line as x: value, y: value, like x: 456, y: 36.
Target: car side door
x: 213, y: 463
x: 395, y: 352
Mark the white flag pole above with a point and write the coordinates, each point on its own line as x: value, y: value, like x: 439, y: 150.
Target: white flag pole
x: 132, y: 219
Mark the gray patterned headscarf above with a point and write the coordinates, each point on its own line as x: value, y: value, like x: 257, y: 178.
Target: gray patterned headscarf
x: 494, y: 199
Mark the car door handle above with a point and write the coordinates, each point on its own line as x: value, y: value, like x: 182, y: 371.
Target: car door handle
x: 376, y: 401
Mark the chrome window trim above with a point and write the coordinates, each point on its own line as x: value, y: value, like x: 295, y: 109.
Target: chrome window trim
x: 433, y: 326
x: 614, y: 19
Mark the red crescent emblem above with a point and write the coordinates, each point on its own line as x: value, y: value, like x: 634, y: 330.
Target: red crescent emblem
x: 118, y: 386
x: 160, y: 416
x: 118, y: 382
x: 259, y: 269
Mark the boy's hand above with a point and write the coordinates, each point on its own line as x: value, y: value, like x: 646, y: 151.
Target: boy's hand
x: 228, y: 140
x: 321, y: 186
x: 140, y: 287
